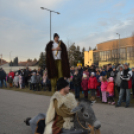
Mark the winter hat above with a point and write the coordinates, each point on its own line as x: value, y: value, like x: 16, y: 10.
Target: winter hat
x: 132, y: 67
x: 16, y: 74
x: 100, y: 78
x: 92, y: 74
x: 61, y: 83
x: 34, y: 73
x: 121, y: 66
x: 56, y: 35
x: 111, y: 79
x: 84, y: 76
x: 126, y: 64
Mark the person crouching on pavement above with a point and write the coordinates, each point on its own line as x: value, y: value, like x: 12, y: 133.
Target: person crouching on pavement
x: 92, y: 85
x: 59, y: 117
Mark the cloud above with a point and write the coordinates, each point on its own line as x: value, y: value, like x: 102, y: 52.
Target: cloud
x: 119, y: 5
x: 29, y: 8
x: 103, y: 23
x: 23, y: 29
x: 125, y: 28
x: 23, y: 40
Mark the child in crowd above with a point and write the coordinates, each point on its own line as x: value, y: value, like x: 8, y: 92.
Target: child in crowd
x: 77, y: 84
x: 45, y: 80
x: 21, y: 80
x: 104, y: 84
x: 84, y: 85
x: 34, y: 81
x: 16, y: 80
x: 92, y: 85
x: 10, y: 80
x: 38, y: 81
x: 86, y: 72
x: 71, y: 82
x: 110, y: 91
x: 99, y: 83
x: 133, y: 81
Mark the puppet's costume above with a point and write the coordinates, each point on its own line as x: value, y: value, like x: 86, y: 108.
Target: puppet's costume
x: 59, y: 113
x: 57, y: 62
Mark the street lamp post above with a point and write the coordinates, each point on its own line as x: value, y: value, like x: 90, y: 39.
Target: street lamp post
x: 43, y: 8
x: 119, y: 48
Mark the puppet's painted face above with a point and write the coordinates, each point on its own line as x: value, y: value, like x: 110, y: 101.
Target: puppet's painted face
x: 86, y: 114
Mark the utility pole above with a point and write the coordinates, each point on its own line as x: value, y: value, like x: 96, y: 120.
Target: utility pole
x: 119, y: 49
x: 51, y: 11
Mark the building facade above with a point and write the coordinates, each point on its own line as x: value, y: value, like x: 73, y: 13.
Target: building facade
x: 114, y: 52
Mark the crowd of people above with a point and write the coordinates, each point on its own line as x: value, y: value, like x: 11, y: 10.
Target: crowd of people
x: 32, y: 79
x: 106, y: 82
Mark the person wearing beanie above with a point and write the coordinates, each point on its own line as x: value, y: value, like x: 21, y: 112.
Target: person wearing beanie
x: 125, y: 86
x: 117, y: 78
x: 57, y: 61
x: 110, y: 91
x: 92, y: 85
x: 77, y: 84
x: 84, y: 85
x: 59, y: 117
x: 16, y: 80
x: 104, y: 88
x: 86, y: 72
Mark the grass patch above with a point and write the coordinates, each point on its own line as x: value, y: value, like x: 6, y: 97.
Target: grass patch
x: 27, y: 90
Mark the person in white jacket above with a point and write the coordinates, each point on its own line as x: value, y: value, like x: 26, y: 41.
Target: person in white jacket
x: 16, y: 80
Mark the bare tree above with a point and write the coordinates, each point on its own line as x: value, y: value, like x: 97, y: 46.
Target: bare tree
x: 90, y: 48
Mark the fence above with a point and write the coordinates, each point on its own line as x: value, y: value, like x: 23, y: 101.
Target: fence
x: 15, y: 68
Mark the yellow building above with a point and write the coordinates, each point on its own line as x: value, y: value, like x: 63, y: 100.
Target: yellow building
x: 88, y: 58
x: 114, y: 51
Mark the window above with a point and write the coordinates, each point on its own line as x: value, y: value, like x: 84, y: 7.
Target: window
x: 130, y: 53
x: 123, y: 53
x: 105, y: 56
x: 96, y: 57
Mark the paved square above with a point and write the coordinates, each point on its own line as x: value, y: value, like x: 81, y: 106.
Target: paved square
x: 16, y: 106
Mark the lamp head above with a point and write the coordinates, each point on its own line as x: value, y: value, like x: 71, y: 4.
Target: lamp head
x: 42, y: 8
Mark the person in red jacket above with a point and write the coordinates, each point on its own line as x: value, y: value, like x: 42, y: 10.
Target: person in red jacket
x: 11, y: 74
x: 84, y: 85
x: 110, y: 91
x: 92, y: 85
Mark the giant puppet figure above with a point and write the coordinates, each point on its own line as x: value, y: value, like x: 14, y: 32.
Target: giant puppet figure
x: 57, y: 61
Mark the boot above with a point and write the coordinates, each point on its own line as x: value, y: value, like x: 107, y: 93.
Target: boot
x: 27, y: 121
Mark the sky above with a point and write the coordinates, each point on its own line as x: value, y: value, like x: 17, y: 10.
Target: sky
x: 25, y: 28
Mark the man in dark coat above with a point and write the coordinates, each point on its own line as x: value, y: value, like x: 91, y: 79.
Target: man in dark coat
x: 126, y: 85
x: 133, y: 81
x: 57, y: 61
x: 26, y: 76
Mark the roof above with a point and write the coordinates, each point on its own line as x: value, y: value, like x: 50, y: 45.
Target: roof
x: 2, y: 62
x: 25, y: 63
